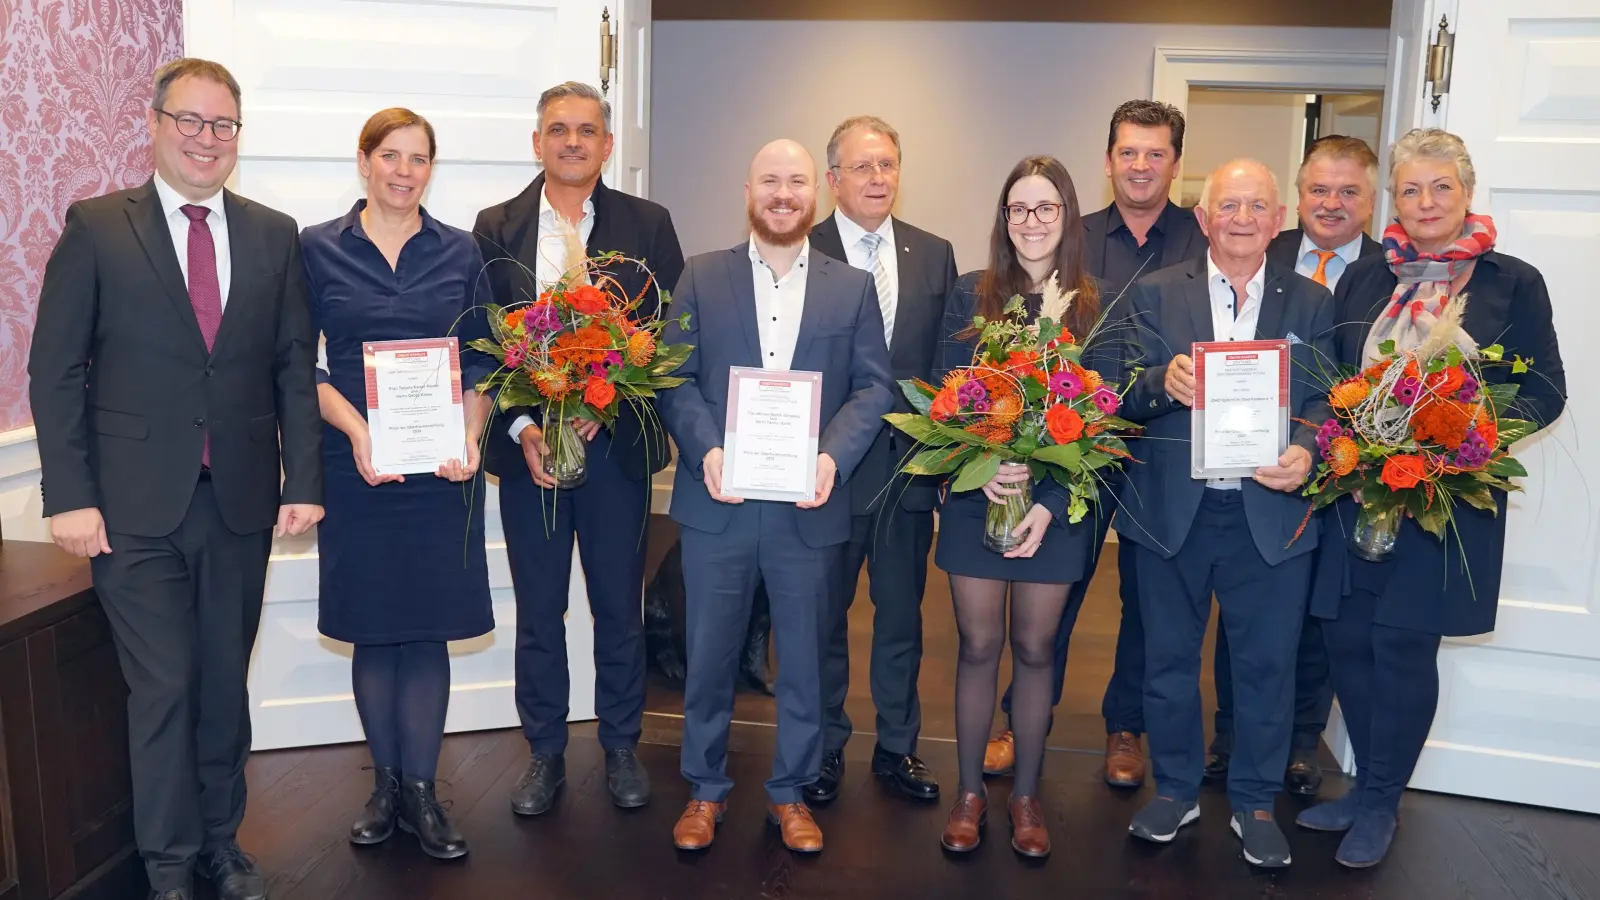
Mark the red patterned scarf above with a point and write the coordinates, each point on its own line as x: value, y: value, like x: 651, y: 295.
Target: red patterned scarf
x: 1425, y: 278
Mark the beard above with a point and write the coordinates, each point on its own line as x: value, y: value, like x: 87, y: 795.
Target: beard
x: 790, y: 238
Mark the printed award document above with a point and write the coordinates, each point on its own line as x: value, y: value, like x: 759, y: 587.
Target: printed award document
x: 414, y: 409
x: 770, y: 452
x: 1241, y: 407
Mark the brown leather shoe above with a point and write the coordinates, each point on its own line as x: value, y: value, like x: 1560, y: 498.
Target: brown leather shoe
x: 800, y: 831
x: 964, y: 830
x: 1028, y: 835
x: 1124, y: 760
x: 1000, y: 754
x: 698, y: 824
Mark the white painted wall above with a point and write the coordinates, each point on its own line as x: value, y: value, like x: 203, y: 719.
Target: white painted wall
x: 1224, y: 125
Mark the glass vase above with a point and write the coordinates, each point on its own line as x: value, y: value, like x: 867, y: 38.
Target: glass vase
x: 1375, y: 533
x: 568, y: 459
x: 1001, y: 518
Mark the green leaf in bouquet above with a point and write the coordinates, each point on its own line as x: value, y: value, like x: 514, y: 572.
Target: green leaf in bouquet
x: 977, y: 472
x: 1501, y: 396
x: 1513, y: 430
x: 1067, y: 456
x: 1094, y: 459
x: 959, y: 435
x: 1452, y: 356
x: 1493, y: 352
x: 1479, y: 497
x: 1520, y: 366
x: 917, y: 396
x: 921, y: 428
x: 1076, y: 510
x: 1434, y: 518
x: 1048, y: 331
x: 1506, y: 467
x: 1060, y: 476
x: 683, y: 321
x: 669, y: 357
x: 1033, y: 391
x: 937, y: 460
x: 1025, y: 444
x: 1014, y: 305
x: 1116, y: 423
x: 1386, y: 348
x: 1436, y: 364
x: 1037, y: 470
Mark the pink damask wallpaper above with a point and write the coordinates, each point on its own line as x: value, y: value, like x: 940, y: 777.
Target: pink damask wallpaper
x: 74, y: 83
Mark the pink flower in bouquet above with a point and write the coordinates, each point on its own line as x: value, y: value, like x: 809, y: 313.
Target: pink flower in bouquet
x: 1107, y: 400
x: 1407, y: 390
x: 1469, y: 390
x: 612, y: 361
x: 516, y: 354
x: 541, y: 320
x: 1066, y: 385
x: 971, y: 393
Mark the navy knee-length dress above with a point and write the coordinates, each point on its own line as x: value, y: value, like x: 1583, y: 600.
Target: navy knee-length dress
x: 400, y: 561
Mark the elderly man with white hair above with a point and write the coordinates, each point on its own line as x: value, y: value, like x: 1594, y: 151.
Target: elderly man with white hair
x: 1193, y: 537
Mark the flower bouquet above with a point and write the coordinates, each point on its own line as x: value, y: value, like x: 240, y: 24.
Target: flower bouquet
x: 577, y: 352
x: 1024, y: 400
x: 1417, y: 432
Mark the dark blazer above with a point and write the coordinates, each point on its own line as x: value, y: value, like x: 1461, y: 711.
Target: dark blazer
x: 1285, y: 248
x: 1171, y: 310
x: 1183, y: 239
x: 841, y: 336
x: 1442, y: 586
x: 508, y: 235
x: 124, y: 391
x: 927, y: 271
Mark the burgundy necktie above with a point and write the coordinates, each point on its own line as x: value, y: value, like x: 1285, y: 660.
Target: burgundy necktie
x: 204, y: 290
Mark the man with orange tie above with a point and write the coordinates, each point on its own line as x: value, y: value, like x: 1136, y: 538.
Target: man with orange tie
x: 1338, y: 185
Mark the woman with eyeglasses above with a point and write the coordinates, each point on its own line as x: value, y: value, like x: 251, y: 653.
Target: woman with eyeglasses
x: 1037, y: 234
x: 402, y: 558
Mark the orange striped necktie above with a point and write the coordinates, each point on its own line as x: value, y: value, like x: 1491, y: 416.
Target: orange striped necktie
x: 1320, y: 276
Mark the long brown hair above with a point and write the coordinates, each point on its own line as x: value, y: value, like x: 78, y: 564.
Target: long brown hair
x: 1004, y: 277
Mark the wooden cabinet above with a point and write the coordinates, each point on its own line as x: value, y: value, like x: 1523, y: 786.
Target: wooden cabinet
x: 66, y: 802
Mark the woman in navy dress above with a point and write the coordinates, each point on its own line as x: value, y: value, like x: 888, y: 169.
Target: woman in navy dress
x: 1038, y: 232
x: 403, y: 566
x: 1385, y: 619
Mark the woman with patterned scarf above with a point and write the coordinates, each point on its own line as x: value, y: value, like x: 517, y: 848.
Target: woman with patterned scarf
x: 1385, y: 619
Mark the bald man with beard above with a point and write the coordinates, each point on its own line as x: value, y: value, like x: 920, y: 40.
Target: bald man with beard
x: 770, y: 302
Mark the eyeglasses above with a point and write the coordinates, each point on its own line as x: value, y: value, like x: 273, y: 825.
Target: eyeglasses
x: 190, y: 125
x: 1017, y: 214
x: 865, y: 170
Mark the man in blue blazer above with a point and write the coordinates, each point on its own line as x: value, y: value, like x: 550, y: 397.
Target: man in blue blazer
x: 1235, y: 536
x: 771, y: 302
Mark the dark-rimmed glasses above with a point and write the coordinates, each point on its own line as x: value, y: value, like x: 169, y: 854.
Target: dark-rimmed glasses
x: 190, y: 125
x: 1017, y: 214
x: 867, y: 169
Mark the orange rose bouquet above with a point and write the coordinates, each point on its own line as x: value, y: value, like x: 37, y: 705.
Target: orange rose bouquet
x: 1417, y: 432
x: 1024, y: 399
x: 578, y: 352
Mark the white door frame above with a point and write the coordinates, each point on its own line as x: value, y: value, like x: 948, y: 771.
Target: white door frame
x: 1177, y: 69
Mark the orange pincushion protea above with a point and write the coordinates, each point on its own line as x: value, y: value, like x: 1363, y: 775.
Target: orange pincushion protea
x: 1376, y: 370
x: 1343, y: 455
x: 554, y: 382
x: 990, y: 432
x: 954, y: 379
x: 1006, y: 411
x: 1090, y: 378
x: 641, y: 348
x: 1347, y: 394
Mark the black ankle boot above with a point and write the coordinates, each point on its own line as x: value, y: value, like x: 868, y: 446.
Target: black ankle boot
x: 377, y: 820
x: 421, y: 814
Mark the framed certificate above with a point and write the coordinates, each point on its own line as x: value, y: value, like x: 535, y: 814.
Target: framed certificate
x: 770, y: 451
x: 414, y: 409
x: 1241, y: 407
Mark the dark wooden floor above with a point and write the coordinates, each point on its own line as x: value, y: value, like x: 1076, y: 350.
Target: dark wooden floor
x: 878, y: 846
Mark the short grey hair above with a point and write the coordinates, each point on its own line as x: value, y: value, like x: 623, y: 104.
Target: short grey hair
x: 1205, y: 192
x: 1433, y: 143
x: 861, y: 123
x: 572, y: 89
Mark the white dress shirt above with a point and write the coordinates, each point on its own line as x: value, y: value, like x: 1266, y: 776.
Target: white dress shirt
x: 552, y: 262
x: 172, y: 204
x: 1342, y: 258
x: 1233, y: 320
x: 857, y: 254
x: 779, y: 304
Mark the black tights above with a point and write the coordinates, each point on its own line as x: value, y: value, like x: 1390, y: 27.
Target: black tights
x: 981, y: 623
x: 403, y: 692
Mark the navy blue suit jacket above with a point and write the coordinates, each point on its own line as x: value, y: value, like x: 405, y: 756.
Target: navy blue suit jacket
x: 1442, y: 586
x: 927, y: 270
x: 841, y: 336
x: 508, y: 235
x: 1171, y: 310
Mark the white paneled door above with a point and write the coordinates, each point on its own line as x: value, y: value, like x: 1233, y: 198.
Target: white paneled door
x: 1519, y: 710
x: 312, y: 71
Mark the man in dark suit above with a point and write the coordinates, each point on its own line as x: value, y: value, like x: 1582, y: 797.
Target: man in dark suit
x: 773, y: 303
x: 1190, y: 535
x: 172, y: 382
x: 1338, y: 185
x: 521, y: 239
x: 891, y: 515
x: 1139, y: 233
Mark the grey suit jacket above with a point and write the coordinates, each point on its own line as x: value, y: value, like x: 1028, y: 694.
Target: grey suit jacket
x: 841, y: 336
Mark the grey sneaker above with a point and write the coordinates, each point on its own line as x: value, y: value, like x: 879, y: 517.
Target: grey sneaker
x: 1161, y: 818
x: 1264, y: 843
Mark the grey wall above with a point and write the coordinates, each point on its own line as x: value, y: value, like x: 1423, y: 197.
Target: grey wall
x: 969, y: 100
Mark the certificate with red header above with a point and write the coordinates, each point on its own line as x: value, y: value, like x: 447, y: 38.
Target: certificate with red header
x: 414, y: 410
x: 1241, y: 407
x: 769, y: 450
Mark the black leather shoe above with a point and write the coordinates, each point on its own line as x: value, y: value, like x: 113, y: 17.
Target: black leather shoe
x: 906, y: 773
x: 1218, y: 757
x: 233, y: 873
x: 422, y: 815
x: 826, y: 787
x: 536, y: 789
x: 1304, y: 776
x: 377, y: 820
x: 628, y: 781
x: 172, y: 894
